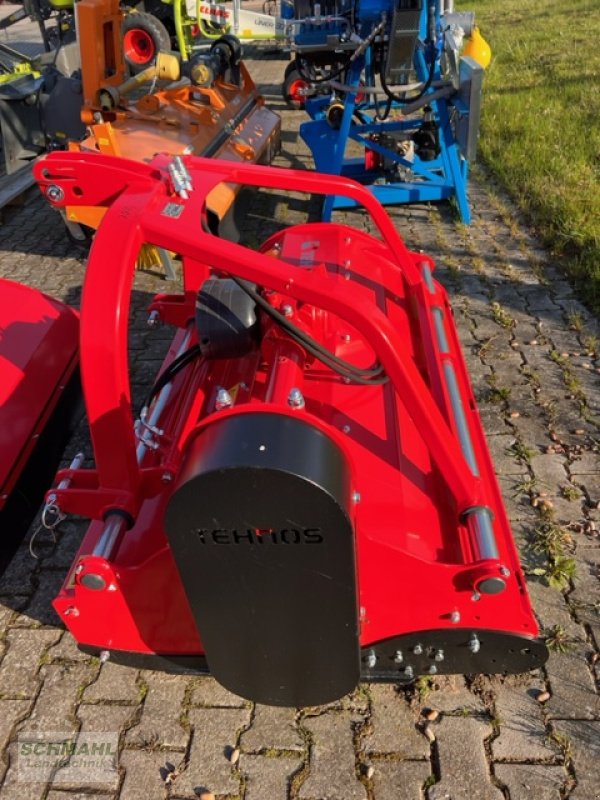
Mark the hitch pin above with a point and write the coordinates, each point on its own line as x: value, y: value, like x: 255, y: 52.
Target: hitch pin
x: 181, y: 178
x: 51, y: 507
x: 183, y: 173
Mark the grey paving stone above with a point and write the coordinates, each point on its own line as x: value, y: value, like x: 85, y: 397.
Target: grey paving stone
x: 66, y: 650
x: 532, y: 781
x: 583, y: 741
x: 214, y: 730
x: 523, y: 735
x: 39, y: 610
x: 464, y: 768
x: 60, y: 795
x: 399, y: 780
x: 272, y: 727
x: 23, y: 655
x: 11, y: 712
x: 144, y: 773
x: 332, y: 769
x: 572, y: 687
x: 450, y: 694
x: 268, y: 777
x: 208, y: 692
x: 160, y: 724
x: 115, y: 682
x: 12, y: 787
x: 54, y: 708
x: 393, y: 725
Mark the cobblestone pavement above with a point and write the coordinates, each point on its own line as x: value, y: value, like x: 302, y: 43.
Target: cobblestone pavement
x: 532, y: 352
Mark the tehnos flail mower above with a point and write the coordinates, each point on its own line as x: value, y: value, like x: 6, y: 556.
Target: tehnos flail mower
x: 306, y: 498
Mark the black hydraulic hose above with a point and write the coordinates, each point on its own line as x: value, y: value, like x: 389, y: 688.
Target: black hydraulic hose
x: 366, y: 376
x: 399, y: 98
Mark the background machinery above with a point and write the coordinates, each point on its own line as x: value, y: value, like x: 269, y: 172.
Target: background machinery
x: 306, y: 498
x: 392, y: 101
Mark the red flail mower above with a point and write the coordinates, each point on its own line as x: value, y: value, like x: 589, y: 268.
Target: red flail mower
x: 306, y: 499
x: 39, y: 394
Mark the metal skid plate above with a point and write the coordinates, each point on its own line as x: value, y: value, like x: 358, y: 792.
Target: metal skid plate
x: 450, y: 652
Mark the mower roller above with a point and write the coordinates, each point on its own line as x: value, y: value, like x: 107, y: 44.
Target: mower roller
x: 306, y: 498
x: 39, y: 391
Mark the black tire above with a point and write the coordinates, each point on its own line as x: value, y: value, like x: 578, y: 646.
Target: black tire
x: 291, y: 82
x: 143, y: 36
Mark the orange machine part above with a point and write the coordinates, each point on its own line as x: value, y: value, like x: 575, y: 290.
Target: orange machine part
x: 225, y: 121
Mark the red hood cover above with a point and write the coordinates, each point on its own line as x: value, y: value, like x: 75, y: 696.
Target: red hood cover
x: 39, y: 337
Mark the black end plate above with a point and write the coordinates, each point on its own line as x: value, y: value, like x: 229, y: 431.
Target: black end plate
x: 259, y: 529
x: 456, y: 651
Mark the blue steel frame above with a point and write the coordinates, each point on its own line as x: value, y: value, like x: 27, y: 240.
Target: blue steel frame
x: 441, y: 179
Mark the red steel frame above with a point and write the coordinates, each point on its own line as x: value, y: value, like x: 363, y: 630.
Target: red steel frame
x: 142, y: 207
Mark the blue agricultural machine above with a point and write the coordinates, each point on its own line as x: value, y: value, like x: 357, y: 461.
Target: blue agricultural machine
x: 393, y: 89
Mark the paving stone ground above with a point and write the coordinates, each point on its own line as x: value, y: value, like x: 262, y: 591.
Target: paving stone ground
x: 532, y: 350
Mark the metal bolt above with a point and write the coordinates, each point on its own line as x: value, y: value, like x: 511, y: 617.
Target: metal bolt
x: 408, y: 672
x: 78, y: 569
x: 346, y: 429
x: 166, y: 477
x: 71, y: 612
x: 417, y: 649
x: 153, y: 320
x: 54, y: 193
x: 112, y: 587
x: 104, y: 656
x: 439, y: 655
x: 398, y: 657
x: 224, y: 400
x: 356, y: 497
x: 295, y: 398
x: 475, y: 597
x: 287, y: 310
x: 455, y: 617
x: 371, y: 659
x: 474, y: 644
x: 345, y: 337
x: 505, y: 572
x: 433, y: 669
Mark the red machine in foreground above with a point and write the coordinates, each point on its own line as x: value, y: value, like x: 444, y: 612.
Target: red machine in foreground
x: 306, y: 499
x: 39, y: 389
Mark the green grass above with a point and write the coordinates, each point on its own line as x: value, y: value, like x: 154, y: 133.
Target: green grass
x: 540, y: 130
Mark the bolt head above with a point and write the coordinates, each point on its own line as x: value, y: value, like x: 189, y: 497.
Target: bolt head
x: 295, y: 398
x: 455, y: 617
x: 224, y: 400
x: 54, y: 193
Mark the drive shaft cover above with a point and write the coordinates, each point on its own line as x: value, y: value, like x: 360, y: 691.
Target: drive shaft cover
x: 259, y: 528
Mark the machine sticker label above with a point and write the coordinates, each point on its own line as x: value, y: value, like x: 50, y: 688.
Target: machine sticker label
x: 259, y: 536
x: 173, y: 210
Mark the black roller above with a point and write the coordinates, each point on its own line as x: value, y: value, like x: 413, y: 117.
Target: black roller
x: 259, y: 528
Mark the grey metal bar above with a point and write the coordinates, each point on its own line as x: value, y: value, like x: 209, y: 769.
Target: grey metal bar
x: 440, y: 331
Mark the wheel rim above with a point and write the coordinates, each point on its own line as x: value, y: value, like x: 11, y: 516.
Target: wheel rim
x: 295, y: 91
x: 139, y: 46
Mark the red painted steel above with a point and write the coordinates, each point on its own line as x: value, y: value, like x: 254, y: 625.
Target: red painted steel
x: 364, y: 299
x: 38, y: 353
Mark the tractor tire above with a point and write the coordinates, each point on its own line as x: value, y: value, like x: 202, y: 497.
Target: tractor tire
x: 293, y: 82
x: 143, y: 36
